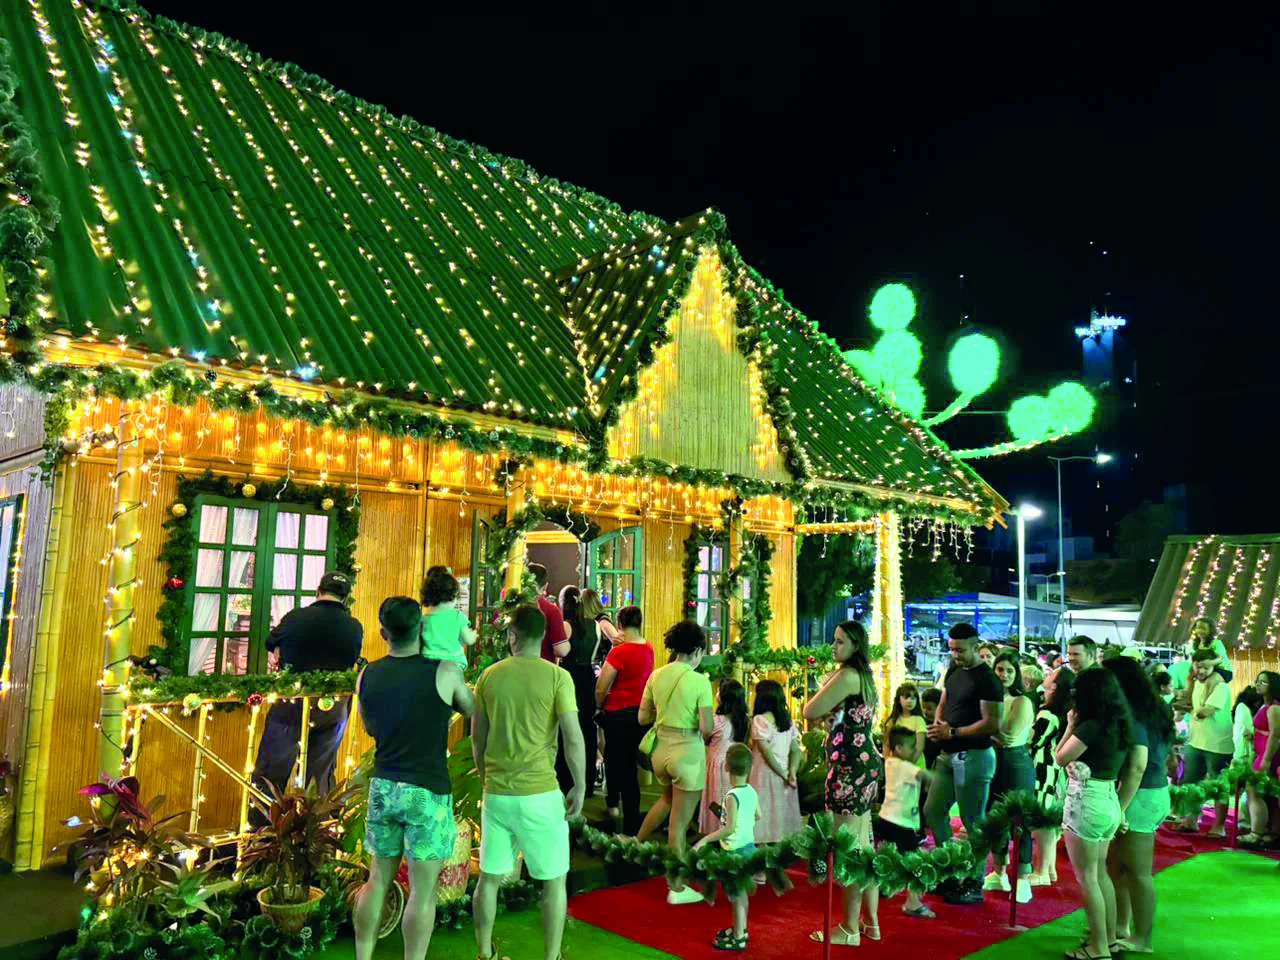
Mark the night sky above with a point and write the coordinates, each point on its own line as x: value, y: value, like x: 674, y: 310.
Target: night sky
x: 1058, y: 164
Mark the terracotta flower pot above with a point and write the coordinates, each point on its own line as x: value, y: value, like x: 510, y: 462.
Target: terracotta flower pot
x: 289, y: 917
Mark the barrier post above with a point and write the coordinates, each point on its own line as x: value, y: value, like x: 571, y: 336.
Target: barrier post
x: 827, y: 911
x: 1013, y: 875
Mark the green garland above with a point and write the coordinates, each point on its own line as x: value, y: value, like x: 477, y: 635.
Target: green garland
x: 1188, y: 798
x: 754, y: 566
x: 28, y: 218
x: 891, y: 870
x: 579, y: 524
x: 180, y: 545
x: 264, y: 941
x: 120, y: 937
x: 698, y: 535
x: 223, y: 686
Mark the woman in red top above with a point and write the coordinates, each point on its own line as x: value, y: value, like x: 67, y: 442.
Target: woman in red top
x: 618, y: 694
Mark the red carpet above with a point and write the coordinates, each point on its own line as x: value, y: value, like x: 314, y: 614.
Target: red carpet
x: 780, y: 926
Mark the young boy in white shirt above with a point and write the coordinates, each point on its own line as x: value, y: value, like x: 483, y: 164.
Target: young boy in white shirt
x: 898, y: 823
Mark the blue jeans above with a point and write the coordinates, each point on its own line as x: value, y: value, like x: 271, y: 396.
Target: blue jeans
x: 1015, y: 771
x: 963, y: 777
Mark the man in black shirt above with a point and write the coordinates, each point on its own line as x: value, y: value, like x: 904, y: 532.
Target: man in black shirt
x: 322, y: 636
x: 968, y: 716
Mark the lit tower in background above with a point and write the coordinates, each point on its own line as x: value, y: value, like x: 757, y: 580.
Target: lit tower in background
x: 1110, y: 369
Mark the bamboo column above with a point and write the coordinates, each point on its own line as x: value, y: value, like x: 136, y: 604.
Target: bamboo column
x: 515, y: 558
x: 737, y: 533
x: 886, y: 608
x: 122, y: 576
x: 38, y: 752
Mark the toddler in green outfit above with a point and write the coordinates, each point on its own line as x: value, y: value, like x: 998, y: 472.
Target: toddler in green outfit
x: 445, y: 631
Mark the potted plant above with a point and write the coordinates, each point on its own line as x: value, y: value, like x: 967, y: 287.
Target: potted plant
x: 300, y: 840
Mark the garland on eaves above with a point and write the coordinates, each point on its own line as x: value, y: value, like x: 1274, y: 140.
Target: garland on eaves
x: 180, y: 546
x: 919, y: 871
x: 28, y: 218
x: 579, y: 524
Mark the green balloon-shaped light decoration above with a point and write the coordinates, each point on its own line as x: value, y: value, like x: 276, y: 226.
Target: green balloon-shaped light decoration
x: 973, y: 364
x: 909, y: 396
x: 893, y: 307
x: 1029, y: 419
x: 898, y: 355
x: 1069, y: 407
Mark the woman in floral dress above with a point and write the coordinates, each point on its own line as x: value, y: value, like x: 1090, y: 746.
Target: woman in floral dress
x: 847, y: 700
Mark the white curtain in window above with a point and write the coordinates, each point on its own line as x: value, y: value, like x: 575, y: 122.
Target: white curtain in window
x: 204, y: 617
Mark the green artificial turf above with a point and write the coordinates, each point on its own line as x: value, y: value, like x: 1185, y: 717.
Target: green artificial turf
x: 1213, y: 906
x: 519, y: 935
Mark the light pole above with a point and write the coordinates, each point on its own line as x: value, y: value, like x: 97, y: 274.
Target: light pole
x: 1023, y: 513
x: 1061, y: 573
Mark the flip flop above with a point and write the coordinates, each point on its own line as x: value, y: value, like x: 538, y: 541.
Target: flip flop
x: 1083, y: 953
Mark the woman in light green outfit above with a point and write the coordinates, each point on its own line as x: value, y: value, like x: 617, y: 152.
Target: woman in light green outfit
x: 1145, y: 805
x: 677, y: 700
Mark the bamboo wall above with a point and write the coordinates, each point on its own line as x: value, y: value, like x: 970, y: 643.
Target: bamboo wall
x: 403, y: 530
x: 701, y: 402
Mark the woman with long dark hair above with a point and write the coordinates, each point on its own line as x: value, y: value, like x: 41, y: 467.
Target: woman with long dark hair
x: 1144, y: 800
x: 848, y: 697
x: 1264, y: 813
x: 1051, y: 778
x: 1093, y: 749
x: 582, y: 644
x: 618, y: 693
x: 731, y: 725
x: 1014, y: 770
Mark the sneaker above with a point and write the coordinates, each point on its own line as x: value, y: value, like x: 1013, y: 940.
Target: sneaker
x: 687, y: 895
x: 1024, y: 891
x: 996, y: 881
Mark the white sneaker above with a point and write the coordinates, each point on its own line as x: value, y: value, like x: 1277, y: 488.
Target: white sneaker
x: 1024, y: 890
x: 687, y: 895
x: 996, y: 881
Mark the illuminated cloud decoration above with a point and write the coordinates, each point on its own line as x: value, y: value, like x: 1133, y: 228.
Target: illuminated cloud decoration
x: 893, y: 363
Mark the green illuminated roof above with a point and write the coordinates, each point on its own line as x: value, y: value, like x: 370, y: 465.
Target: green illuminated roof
x: 228, y: 209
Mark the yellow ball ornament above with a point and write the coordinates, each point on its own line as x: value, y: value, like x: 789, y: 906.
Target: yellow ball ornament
x: 191, y: 703
x: 325, y: 703
x: 178, y: 509
x: 249, y: 490
x: 326, y: 503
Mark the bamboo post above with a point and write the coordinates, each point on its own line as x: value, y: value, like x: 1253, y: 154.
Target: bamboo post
x: 250, y: 756
x: 217, y: 761
x: 736, y: 533
x: 135, y: 739
x: 38, y: 753
x: 886, y: 608
x: 121, y: 578
x: 197, y: 777
x: 304, y: 742
x: 515, y: 559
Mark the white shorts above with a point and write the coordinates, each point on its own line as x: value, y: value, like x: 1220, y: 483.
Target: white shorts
x: 534, y: 825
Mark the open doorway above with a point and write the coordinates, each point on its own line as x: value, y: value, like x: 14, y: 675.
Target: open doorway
x: 563, y: 554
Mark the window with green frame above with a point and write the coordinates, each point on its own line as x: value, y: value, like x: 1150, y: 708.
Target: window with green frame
x: 711, y: 602
x: 255, y: 561
x: 616, y: 568
x: 10, y: 530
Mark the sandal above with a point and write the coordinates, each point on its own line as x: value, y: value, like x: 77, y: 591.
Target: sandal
x: 923, y: 913
x: 871, y: 931
x: 1082, y: 953
x: 840, y: 937
x: 725, y: 940
x: 1126, y: 947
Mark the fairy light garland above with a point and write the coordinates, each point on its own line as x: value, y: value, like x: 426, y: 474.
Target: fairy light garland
x: 1263, y: 573
x: 1205, y: 593
x: 1189, y: 567
x: 1238, y: 563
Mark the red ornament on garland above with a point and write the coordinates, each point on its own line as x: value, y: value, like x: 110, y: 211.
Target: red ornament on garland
x: 255, y: 699
x: 175, y: 583
x: 812, y: 661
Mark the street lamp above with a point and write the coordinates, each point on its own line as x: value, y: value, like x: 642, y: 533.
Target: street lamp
x: 1100, y: 459
x: 1024, y: 513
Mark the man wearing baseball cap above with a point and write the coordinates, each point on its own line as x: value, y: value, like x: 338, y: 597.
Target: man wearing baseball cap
x: 321, y: 636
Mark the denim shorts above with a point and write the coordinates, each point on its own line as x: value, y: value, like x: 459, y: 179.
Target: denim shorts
x: 1148, y: 809
x: 1092, y: 810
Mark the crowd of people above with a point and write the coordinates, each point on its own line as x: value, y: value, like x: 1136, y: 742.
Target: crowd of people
x: 579, y: 704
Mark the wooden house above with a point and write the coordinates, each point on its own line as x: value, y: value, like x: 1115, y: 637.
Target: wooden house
x: 256, y: 327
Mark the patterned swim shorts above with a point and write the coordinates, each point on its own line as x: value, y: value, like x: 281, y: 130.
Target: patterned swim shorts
x: 409, y: 821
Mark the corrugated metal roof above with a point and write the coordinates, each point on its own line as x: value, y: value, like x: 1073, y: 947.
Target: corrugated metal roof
x: 1232, y: 580
x: 233, y: 210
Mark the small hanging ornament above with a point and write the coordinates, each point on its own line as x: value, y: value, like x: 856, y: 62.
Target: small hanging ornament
x: 326, y: 503
x: 175, y: 583
x: 179, y: 509
x: 190, y: 704
x: 812, y: 661
x: 249, y: 490
x: 255, y: 699
x: 325, y: 703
